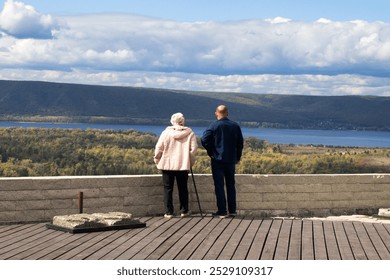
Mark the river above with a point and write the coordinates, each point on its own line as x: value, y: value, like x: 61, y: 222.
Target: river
x: 278, y: 136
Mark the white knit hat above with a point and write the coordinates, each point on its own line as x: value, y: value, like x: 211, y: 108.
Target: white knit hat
x: 177, y: 119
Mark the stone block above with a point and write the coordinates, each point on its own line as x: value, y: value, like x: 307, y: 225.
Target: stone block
x: 249, y: 188
x: 47, y: 183
x: 310, y: 204
x: 268, y: 197
x: 261, y: 205
x: 27, y: 205
x: 6, y: 206
x: 142, y: 200
x: 8, y: 216
x: 355, y: 187
x: 343, y: 196
x: 250, y: 197
x: 272, y: 188
x: 103, y: 202
x: 309, y: 188
x: 384, y: 212
x: 115, y: 218
x: 204, y: 197
x: 77, y: 221
x: 300, y: 197
x: 63, y: 204
x: 22, y: 195
x: 327, y: 196
x: 364, y: 195
x: 30, y: 215
x: 342, y: 204
x: 95, y: 220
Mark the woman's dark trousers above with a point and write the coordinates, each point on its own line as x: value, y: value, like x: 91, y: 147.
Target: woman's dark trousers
x: 168, y: 182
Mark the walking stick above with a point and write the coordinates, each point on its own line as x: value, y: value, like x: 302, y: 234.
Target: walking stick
x: 196, y: 192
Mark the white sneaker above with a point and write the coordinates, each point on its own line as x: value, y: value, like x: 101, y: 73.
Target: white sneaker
x: 168, y: 216
x: 185, y: 214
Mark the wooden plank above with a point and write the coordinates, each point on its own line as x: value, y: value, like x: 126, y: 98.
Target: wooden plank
x: 122, y: 244
x: 116, y: 246
x: 51, y: 245
x: 208, y: 242
x: 384, y: 234
x: 56, y: 246
x: 198, y: 239
x: 105, y: 246
x: 20, y: 234
x: 295, y: 247
x: 365, y: 240
x: 281, y: 252
x: 114, y: 242
x: 185, y: 239
x: 330, y: 241
x: 145, y: 246
x: 354, y: 241
x: 69, y: 244
x: 171, y: 239
x: 258, y: 242
x: 6, y: 230
x: 376, y: 240
x: 33, y: 247
x: 387, y: 227
x: 207, y: 238
x: 226, y: 244
x: 319, y: 241
x: 25, y: 238
x: 84, y: 250
x: 155, y: 241
x: 307, y: 240
x: 342, y: 241
x: 247, y: 240
x: 271, y: 241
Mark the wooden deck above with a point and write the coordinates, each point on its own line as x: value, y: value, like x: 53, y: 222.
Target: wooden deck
x: 194, y: 238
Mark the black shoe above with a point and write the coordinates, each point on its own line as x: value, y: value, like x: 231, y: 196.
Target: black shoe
x: 220, y: 214
x: 232, y: 214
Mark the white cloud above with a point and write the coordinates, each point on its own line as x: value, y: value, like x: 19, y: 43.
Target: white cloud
x: 246, y: 47
x: 271, y: 56
x: 23, y: 21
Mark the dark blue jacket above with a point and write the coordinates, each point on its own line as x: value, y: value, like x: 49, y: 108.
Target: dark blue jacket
x: 223, y: 141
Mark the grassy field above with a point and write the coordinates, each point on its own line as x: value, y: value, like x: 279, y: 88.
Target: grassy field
x: 362, y: 160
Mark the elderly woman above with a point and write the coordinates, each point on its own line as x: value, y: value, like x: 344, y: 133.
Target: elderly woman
x: 174, y: 155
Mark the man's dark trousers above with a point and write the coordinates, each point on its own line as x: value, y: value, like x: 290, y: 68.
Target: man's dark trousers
x: 224, y: 172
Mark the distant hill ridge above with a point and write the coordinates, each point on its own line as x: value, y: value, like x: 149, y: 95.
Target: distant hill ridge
x: 43, y: 101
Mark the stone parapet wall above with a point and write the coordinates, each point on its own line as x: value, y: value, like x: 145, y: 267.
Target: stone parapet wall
x: 31, y: 199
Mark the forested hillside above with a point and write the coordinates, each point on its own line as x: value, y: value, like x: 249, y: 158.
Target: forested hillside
x: 58, y: 102
x: 66, y: 152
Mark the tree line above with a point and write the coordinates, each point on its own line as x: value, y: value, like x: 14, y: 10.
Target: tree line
x: 70, y: 152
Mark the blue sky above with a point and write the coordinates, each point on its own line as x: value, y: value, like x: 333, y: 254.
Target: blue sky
x: 221, y: 10
x: 282, y: 47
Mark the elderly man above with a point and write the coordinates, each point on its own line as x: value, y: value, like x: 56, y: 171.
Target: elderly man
x: 224, y: 142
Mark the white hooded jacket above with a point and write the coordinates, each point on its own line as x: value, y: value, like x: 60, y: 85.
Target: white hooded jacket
x: 176, y: 148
